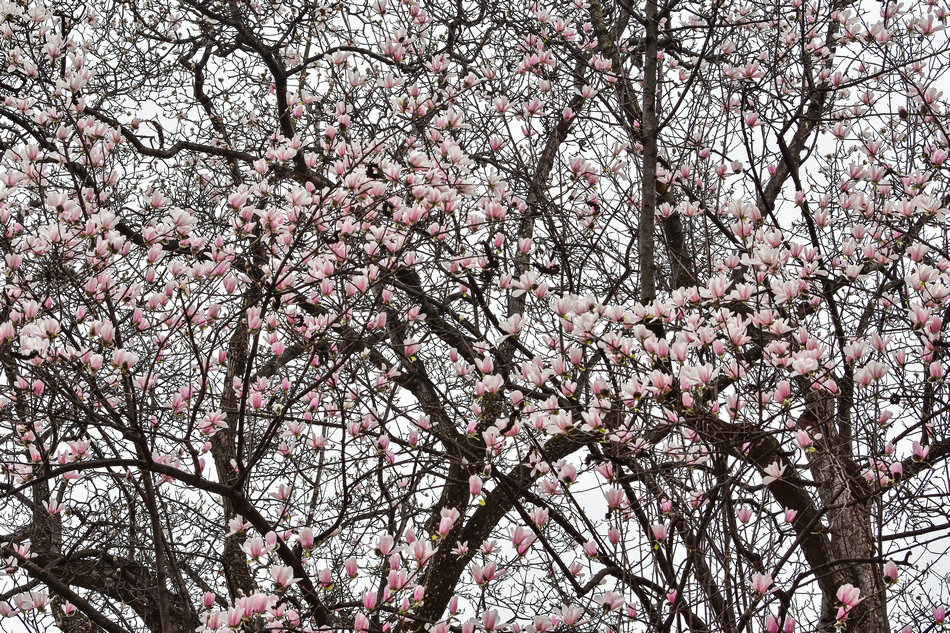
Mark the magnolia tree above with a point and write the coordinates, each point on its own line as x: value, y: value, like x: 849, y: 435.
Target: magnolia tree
x: 472, y: 316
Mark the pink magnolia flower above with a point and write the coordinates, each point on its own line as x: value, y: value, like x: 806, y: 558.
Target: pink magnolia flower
x: 522, y: 539
x: 305, y: 536
x: 254, y: 547
x: 212, y: 423
x: 234, y: 617
x: 803, y: 440
x: 569, y: 614
x: 283, y: 576
x: 940, y: 615
x: 761, y: 583
x: 849, y: 596
x: 421, y: 551
x: 475, y: 485
x: 773, y: 472
x: 39, y: 600
x: 615, y: 497
x: 491, y: 619
x: 448, y: 518
x: 124, y: 359
x: 397, y: 579
x: 484, y: 575
x: 384, y: 545
x: 890, y: 572
x: 236, y: 525
x: 782, y: 391
x: 744, y: 514
x: 610, y: 601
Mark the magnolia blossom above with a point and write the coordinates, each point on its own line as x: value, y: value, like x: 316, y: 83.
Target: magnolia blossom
x: 491, y: 619
x: 849, y: 595
x: 890, y: 572
x: 474, y: 485
x: 744, y: 514
x: 254, y: 547
x: 761, y: 583
x: 773, y: 472
x: 659, y: 531
x: 283, y: 576
x: 212, y: 423
x: 610, y: 601
x: 384, y: 544
x: 569, y: 614
x: 522, y: 539
x: 124, y: 359
x: 448, y: 518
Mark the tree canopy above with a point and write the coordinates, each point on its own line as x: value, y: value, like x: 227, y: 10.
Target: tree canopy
x: 458, y: 316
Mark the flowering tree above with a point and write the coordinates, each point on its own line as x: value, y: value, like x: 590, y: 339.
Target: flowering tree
x: 473, y: 316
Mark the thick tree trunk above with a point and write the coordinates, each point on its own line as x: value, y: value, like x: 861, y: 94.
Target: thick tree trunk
x: 648, y: 188
x: 846, y: 497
